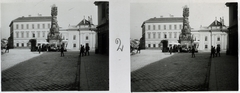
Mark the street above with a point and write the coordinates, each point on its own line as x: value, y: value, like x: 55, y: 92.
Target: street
x: 178, y: 72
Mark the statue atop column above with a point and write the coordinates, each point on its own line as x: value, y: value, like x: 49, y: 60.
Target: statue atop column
x: 185, y: 36
x: 54, y: 30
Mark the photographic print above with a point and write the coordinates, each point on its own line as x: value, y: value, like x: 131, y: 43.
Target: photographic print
x: 184, y: 46
x: 55, y: 46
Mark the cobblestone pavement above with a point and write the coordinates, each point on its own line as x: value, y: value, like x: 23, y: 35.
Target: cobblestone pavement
x: 139, y: 60
x: 47, y: 72
x: 179, y: 72
x: 94, y: 72
x: 224, y: 73
x: 12, y: 58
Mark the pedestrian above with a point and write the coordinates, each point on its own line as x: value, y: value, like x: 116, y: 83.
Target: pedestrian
x: 39, y: 48
x: 62, y: 50
x: 7, y: 48
x: 218, y: 50
x: 138, y: 49
x: 82, y: 50
x: 170, y: 50
x: 213, y: 52
x: 87, y: 50
x: 193, y: 51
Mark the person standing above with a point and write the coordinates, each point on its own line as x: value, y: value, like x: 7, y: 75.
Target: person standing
x: 62, y: 50
x: 218, y: 50
x: 7, y: 48
x: 139, y: 49
x: 213, y: 53
x: 39, y: 48
x: 82, y: 50
x: 170, y: 50
x: 193, y: 51
x: 87, y: 50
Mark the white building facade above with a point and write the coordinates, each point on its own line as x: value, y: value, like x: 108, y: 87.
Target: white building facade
x: 165, y: 28
x: 213, y: 35
x: 26, y: 28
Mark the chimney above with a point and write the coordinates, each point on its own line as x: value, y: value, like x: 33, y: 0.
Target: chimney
x: 215, y: 20
x: 161, y: 16
x: 29, y: 15
x: 22, y: 16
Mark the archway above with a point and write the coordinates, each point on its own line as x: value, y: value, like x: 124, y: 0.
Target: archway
x: 164, y: 45
x: 33, y: 43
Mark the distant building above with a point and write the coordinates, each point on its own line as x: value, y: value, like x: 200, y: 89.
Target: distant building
x: 23, y: 29
x: 233, y: 28
x: 155, y: 30
x: 87, y: 35
x: 212, y: 35
x: 102, y: 45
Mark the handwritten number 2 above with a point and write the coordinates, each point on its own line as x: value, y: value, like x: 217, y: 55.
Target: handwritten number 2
x: 118, y: 41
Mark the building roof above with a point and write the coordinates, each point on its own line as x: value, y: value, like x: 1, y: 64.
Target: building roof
x: 164, y: 20
x: 216, y: 23
x: 32, y: 19
x: 84, y: 22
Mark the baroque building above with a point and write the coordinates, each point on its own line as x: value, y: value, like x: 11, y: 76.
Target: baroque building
x: 212, y: 35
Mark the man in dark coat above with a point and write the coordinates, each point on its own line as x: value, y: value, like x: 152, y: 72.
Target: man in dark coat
x: 39, y: 48
x: 87, y: 50
x: 62, y: 50
x: 7, y: 48
x: 170, y: 50
x: 218, y: 51
x: 138, y: 49
x: 82, y: 50
x: 193, y: 51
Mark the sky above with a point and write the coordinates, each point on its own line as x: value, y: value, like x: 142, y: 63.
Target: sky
x: 200, y: 13
x: 69, y: 11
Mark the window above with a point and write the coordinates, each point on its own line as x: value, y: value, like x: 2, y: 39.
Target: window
x: 149, y: 27
x: 206, y: 46
x: 170, y: 27
x: 17, y: 45
x: 175, y: 27
x: 33, y: 35
x: 32, y: 26
x: 27, y: 34
x: 175, y: 35
x: 149, y: 45
x: 74, y: 37
x: 22, y: 26
x: 218, y: 39
x: 86, y: 37
x: 17, y: 35
x: 38, y: 26
x: 154, y: 45
x: 27, y: 26
x: 180, y: 26
x: 48, y: 25
x: 170, y: 34
x: 22, y: 34
x: 165, y: 36
x: 74, y: 45
x: 153, y: 27
x: 159, y: 35
x: 17, y: 26
x: 22, y: 44
x: 38, y: 33
x: 154, y: 33
x: 205, y: 38
x: 43, y: 25
x: 164, y: 27
x: 149, y: 35
x: 43, y: 34
x: 159, y: 27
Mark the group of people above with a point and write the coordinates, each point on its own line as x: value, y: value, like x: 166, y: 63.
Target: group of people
x: 84, y: 50
x: 215, y: 51
x: 7, y: 48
